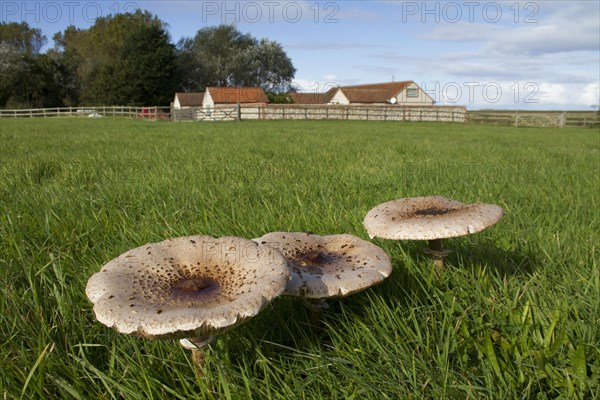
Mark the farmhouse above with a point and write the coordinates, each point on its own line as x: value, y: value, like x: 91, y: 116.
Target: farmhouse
x: 401, y: 93
x: 215, y: 96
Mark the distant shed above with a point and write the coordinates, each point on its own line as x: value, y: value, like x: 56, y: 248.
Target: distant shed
x: 188, y: 100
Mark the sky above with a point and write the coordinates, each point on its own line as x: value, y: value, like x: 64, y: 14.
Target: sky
x: 529, y: 55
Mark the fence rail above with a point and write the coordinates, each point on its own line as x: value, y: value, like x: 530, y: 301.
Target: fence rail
x: 557, y: 119
x: 560, y: 119
x: 149, y: 113
x: 322, y: 112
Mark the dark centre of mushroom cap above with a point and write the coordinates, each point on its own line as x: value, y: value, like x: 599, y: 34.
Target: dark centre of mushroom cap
x: 194, y: 286
x: 313, y: 258
x: 432, y: 211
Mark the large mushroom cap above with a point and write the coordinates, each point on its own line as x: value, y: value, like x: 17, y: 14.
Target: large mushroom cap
x: 190, y: 286
x: 428, y: 218
x: 329, y: 266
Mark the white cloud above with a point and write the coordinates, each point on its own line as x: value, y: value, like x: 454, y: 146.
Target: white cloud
x: 321, y: 85
x: 381, y: 70
x: 591, y: 94
x: 560, y: 27
x: 513, y: 94
x: 567, y: 68
x: 554, y: 93
x: 580, y: 95
x: 548, y: 39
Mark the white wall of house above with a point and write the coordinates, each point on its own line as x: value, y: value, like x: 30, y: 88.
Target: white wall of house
x: 176, y: 103
x: 207, y: 101
x: 413, y: 94
x: 339, y: 98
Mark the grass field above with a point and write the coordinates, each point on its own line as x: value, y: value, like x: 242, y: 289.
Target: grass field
x: 516, y: 315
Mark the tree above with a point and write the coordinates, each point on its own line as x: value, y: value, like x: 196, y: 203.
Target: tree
x: 29, y: 79
x: 12, y: 67
x: 223, y: 56
x: 98, y: 53
x: 49, y: 87
x: 274, y: 70
x: 65, y: 52
x: 24, y: 39
x: 144, y: 73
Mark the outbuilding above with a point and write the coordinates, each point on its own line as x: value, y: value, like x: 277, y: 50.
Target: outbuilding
x: 389, y: 93
x: 216, y: 96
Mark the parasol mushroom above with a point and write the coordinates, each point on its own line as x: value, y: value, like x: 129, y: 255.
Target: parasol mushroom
x: 323, y: 267
x: 430, y: 218
x: 188, y: 288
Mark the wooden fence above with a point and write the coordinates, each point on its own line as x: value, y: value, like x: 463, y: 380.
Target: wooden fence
x: 149, y: 113
x: 556, y: 119
x: 322, y: 112
x: 560, y: 119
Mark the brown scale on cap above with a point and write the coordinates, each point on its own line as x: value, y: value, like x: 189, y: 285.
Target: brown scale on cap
x: 194, y: 286
x: 329, y: 266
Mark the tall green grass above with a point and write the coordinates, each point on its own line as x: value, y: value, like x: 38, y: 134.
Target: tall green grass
x: 516, y: 315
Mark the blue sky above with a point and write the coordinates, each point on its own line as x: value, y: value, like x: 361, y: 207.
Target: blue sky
x: 482, y: 54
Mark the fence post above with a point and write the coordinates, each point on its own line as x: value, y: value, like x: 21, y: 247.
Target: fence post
x: 562, y: 119
x: 517, y: 119
x: 239, y: 111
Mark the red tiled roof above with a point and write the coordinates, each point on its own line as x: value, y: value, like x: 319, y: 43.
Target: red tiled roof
x: 309, y: 98
x: 191, y: 99
x: 374, y: 92
x: 391, y: 86
x: 237, y: 95
x: 313, y: 98
x: 369, y: 93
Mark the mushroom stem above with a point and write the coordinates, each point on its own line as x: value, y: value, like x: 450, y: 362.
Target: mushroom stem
x: 198, y: 356
x: 197, y: 346
x: 316, y: 306
x: 436, y: 249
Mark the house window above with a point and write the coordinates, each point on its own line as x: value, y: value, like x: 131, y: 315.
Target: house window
x: 411, y: 92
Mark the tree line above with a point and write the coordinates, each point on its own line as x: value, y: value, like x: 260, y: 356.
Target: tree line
x: 129, y: 59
